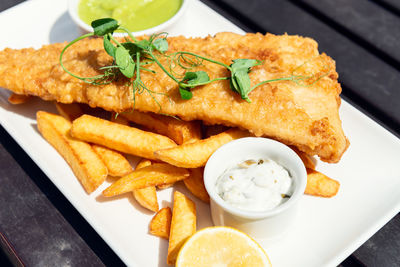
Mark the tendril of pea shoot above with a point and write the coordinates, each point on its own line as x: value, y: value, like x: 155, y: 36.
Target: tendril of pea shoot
x: 132, y: 56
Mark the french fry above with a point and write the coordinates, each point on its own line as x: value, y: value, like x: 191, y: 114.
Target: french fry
x: 183, y: 224
x: 146, y: 197
x: 17, y: 99
x: 116, y: 163
x: 69, y: 111
x: 164, y: 186
x: 308, y: 161
x: 319, y: 184
x: 195, y: 184
x: 196, y: 154
x: 161, y: 223
x: 178, y: 130
x: 143, y: 163
x: 119, y: 119
x: 85, y: 163
x: 119, y: 137
x: 155, y: 174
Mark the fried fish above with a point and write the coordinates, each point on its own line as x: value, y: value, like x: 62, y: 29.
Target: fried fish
x: 305, y: 115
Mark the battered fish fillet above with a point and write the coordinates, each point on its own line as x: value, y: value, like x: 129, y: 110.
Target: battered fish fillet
x: 304, y: 116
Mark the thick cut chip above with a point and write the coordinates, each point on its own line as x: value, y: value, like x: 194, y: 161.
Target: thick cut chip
x: 161, y: 223
x: 85, y: 163
x: 17, y: 99
x: 69, y: 111
x: 147, y: 197
x: 308, y: 161
x: 320, y: 185
x: 143, y: 163
x: 195, y: 184
x: 116, y: 163
x: 155, y: 174
x: 178, y: 130
x: 119, y: 137
x: 183, y: 224
x: 196, y: 154
x: 164, y: 186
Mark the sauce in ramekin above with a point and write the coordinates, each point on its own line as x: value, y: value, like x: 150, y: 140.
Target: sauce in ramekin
x: 255, y: 185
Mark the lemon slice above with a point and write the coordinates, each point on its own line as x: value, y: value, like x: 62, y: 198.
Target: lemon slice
x: 221, y: 247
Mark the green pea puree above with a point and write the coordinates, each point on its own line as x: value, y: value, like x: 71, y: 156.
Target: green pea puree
x: 135, y: 15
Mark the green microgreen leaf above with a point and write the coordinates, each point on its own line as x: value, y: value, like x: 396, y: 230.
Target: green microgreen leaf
x: 244, y: 64
x: 132, y: 48
x: 124, y: 62
x: 104, y: 26
x: 108, y: 46
x: 185, y: 93
x: 143, y: 44
x: 161, y: 45
x: 240, y: 80
x: 195, y: 78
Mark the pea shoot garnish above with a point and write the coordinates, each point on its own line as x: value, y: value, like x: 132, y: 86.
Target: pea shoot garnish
x: 131, y: 56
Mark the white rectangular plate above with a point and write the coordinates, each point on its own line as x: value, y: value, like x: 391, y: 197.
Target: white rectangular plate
x: 326, y: 230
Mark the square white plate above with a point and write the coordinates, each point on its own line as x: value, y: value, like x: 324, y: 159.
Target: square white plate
x: 326, y: 230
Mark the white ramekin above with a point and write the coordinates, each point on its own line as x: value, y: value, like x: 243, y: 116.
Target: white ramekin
x: 73, y: 12
x: 269, y: 224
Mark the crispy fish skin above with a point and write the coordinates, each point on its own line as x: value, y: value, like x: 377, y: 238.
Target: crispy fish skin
x: 304, y: 116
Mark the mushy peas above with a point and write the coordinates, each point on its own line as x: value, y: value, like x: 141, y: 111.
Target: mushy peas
x: 135, y: 15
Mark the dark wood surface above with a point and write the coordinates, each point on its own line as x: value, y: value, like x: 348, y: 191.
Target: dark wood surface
x: 390, y: 5
x: 32, y: 230
x: 38, y: 226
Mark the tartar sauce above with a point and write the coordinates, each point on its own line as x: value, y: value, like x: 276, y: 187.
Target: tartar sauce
x: 255, y: 185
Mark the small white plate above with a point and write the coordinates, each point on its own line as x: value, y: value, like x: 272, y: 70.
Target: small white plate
x: 326, y: 230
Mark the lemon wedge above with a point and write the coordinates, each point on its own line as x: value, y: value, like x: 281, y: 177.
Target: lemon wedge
x: 221, y: 247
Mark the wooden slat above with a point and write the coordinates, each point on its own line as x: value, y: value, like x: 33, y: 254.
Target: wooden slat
x: 5, y: 4
x: 370, y: 81
x: 364, y: 20
x: 394, y: 5
x: 383, y: 248
x: 32, y: 230
x: 5, y: 262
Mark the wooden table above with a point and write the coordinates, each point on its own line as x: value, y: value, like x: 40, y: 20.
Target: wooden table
x: 37, y: 222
